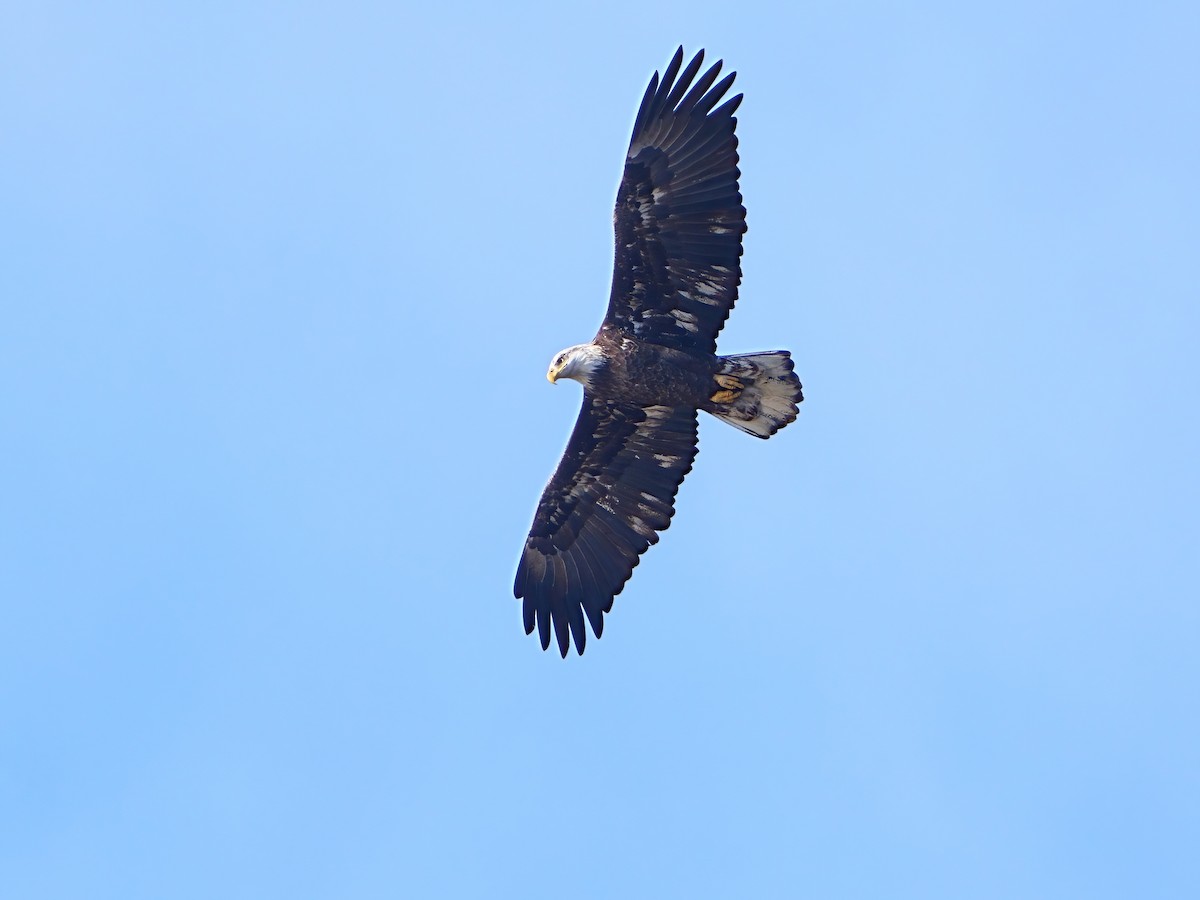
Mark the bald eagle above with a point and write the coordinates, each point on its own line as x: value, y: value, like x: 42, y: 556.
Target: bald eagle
x: 679, y: 222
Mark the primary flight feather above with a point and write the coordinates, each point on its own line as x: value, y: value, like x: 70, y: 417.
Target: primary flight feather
x: 679, y: 222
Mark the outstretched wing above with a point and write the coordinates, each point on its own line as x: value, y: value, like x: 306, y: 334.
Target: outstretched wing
x: 613, y: 491
x: 679, y: 218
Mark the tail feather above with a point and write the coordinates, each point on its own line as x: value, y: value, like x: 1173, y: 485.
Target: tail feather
x: 767, y: 399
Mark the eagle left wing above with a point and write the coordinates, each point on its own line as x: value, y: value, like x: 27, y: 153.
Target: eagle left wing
x: 679, y: 218
x: 611, y: 494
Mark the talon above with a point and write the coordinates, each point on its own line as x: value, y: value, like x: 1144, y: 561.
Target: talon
x: 729, y: 382
x: 723, y: 397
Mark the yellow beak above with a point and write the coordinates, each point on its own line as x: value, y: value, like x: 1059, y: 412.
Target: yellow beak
x: 552, y: 375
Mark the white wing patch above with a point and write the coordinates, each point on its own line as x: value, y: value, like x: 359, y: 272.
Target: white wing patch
x: 685, y: 319
x: 707, y: 292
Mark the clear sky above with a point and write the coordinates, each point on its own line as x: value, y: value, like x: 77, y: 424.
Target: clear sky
x: 280, y: 283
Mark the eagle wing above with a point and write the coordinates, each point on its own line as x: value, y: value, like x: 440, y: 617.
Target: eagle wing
x: 679, y: 218
x: 613, y: 491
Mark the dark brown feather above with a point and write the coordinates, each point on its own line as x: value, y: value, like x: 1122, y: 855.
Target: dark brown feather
x: 679, y: 218
x: 613, y: 491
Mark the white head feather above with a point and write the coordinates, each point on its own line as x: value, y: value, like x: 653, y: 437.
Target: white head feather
x: 580, y: 362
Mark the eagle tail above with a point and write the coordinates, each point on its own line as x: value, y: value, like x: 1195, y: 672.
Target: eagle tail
x: 756, y: 392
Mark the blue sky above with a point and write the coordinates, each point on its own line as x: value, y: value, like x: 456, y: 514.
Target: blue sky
x: 280, y: 285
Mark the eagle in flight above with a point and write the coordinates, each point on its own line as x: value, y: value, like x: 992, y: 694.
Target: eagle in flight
x: 679, y: 222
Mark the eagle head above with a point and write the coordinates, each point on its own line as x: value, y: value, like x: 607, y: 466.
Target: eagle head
x: 580, y: 362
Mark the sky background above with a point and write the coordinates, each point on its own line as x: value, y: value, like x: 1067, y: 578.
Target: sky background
x: 280, y: 283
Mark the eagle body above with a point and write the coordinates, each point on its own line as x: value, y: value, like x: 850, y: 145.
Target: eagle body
x: 653, y: 365
x: 651, y: 375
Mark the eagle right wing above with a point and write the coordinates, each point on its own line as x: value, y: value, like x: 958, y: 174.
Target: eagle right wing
x: 679, y: 218
x: 611, y: 494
